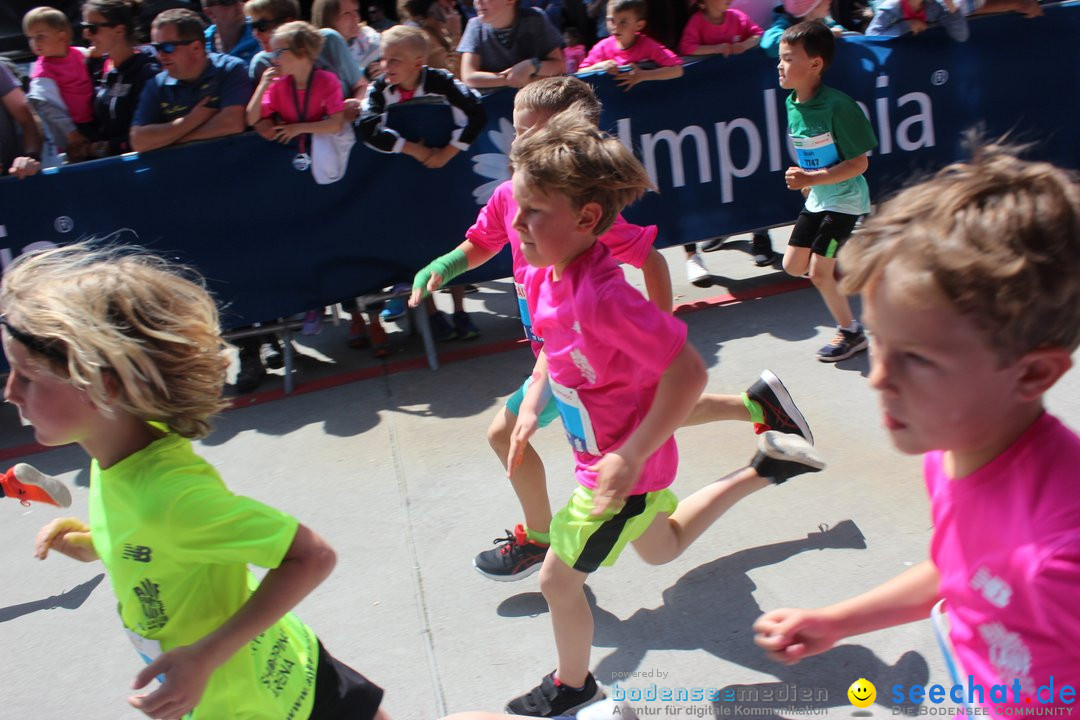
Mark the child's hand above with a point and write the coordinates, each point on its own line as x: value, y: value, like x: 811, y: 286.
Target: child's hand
x: 615, y: 477
x: 609, y: 66
x: 630, y: 78
x: 1029, y: 8
x: 77, y: 145
x: 352, y: 110
x: 70, y: 536
x: 425, y: 283
x: 285, y: 133
x: 186, y: 674
x: 916, y: 26
x: 788, y: 635
x: 797, y: 178
x: 269, y: 74
x: 726, y: 49
x: 440, y: 157
x: 526, y: 425
x: 265, y: 128
x: 519, y: 75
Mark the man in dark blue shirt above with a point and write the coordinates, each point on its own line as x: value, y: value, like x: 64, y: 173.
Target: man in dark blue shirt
x: 197, y: 96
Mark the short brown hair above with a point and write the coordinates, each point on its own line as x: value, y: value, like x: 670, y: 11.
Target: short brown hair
x: 998, y: 236
x: 633, y: 6
x: 277, y: 9
x: 571, y: 156
x: 188, y: 24
x: 47, y: 16
x: 816, y: 39
x: 407, y: 35
x: 300, y: 37
x: 559, y: 94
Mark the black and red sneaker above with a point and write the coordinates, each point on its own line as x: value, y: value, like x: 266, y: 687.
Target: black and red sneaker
x: 517, y: 558
x: 551, y: 698
x: 780, y: 411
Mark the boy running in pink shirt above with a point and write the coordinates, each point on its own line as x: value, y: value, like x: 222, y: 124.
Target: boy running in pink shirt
x: 766, y: 403
x: 623, y: 377
x: 629, y: 54
x: 969, y: 292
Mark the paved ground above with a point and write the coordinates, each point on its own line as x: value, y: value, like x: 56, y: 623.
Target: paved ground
x: 395, y: 472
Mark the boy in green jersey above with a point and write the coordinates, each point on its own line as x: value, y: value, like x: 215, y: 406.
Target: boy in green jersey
x: 122, y: 354
x: 831, y: 137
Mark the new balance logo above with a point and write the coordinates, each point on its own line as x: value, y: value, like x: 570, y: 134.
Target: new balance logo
x: 138, y: 553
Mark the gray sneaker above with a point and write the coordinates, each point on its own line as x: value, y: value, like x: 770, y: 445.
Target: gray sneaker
x: 782, y: 456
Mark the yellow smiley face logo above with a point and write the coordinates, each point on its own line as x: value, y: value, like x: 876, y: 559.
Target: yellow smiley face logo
x: 862, y: 693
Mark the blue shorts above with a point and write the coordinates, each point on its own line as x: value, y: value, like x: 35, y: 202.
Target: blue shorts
x: 549, y: 413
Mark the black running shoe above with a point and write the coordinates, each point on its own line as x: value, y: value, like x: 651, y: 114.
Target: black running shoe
x: 516, y: 559
x: 782, y: 456
x: 779, y: 410
x: 761, y: 250
x: 551, y: 698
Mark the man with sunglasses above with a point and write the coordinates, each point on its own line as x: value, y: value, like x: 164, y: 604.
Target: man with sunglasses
x: 198, y: 95
x: 231, y: 31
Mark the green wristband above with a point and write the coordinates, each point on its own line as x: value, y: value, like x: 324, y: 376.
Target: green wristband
x: 447, y: 266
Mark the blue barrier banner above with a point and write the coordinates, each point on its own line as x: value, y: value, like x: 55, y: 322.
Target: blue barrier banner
x: 272, y: 242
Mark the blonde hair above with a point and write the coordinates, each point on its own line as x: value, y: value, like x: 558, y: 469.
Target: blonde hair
x: 128, y: 328
x: 300, y: 37
x: 571, y: 156
x: 998, y: 237
x: 554, y: 95
x: 407, y: 35
x: 47, y: 16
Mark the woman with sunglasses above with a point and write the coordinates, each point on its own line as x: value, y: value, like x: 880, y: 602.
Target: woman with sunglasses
x: 119, y: 70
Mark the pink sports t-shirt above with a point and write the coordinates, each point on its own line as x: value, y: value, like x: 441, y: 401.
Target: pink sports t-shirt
x: 606, y: 348
x: 644, y: 48
x: 72, y: 80
x: 701, y: 31
x: 1007, y: 544
x: 326, y: 98
x: 494, y: 228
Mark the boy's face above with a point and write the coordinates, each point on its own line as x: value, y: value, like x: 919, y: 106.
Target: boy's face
x: 624, y: 26
x: 941, y: 384
x: 495, y: 12
x: 402, y: 64
x: 715, y: 8
x: 526, y: 119
x: 549, y: 227
x: 59, y: 412
x: 48, y: 42
x: 796, y: 69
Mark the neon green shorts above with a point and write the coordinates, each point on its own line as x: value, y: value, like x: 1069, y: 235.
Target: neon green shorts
x: 547, y: 415
x: 585, y: 542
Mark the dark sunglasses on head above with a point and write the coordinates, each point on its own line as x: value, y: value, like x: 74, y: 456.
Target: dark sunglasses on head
x: 264, y: 25
x: 170, y: 47
x: 92, y: 28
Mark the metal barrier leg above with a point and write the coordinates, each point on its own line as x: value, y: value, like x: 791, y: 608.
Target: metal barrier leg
x: 287, y: 351
x: 420, y: 321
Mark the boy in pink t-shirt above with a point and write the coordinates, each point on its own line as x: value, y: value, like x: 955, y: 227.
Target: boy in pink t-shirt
x: 629, y: 54
x: 766, y: 403
x: 49, y: 35
x: 623, y: 378
x: 717, y: 29
x: 969, y: 329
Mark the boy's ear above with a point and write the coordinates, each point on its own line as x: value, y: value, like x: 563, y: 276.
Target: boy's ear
x: 589, y: 217
x: 639, y: 25
x: 1039, y: 370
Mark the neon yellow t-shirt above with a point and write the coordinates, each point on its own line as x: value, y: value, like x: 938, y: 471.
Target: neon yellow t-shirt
x: 176, y: 544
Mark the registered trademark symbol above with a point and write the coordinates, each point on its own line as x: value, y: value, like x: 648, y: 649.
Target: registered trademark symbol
x: 64, y: 224
x: 940, y: 77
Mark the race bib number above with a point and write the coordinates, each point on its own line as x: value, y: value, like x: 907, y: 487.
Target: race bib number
x: 526, y: 317
x: 575, y: 418
x: 148, y: 649
x: 816, y: 153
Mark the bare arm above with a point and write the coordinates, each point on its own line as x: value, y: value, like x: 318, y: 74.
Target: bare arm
x: 658, y: 280
x: 253, y: 112
x: 187, y: 669
x: 788, y: 635
x: 227, y: 121
x: 797, y: 178
x: 473, y: 76
x: 635, y: 75
x: 159, y: 135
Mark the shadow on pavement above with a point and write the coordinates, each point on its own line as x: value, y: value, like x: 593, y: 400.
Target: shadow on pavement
x: 69, y: 600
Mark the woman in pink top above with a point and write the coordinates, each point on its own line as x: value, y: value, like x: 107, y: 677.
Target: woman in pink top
x: 626, y: 49
x: 717, y: 29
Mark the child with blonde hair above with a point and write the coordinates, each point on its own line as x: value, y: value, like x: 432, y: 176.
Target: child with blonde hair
x: 118, y: 351
x: 969, y: 292
x: 623, y: 377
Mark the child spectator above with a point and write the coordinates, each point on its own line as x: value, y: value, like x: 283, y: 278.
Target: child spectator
x: 60, y: 86
x: 405, y: 76
x: 119, y: 352
x: 433, y: 18
x: 509, y: 45
x: 894, y: 18
x: 792, y: 12
x: 266, y: 17
x: 624, y: 378
x: 766, y: 402
x: 969, y: 285
x: 574, y: 52
x: 627, y: 53
x: 831, y: 137
x: 122, y: 73
x: 716, y: 29
x: 230, y: 31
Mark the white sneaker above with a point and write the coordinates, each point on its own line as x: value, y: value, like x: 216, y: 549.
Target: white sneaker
x: 696, y: 272
x: 607, y: 709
